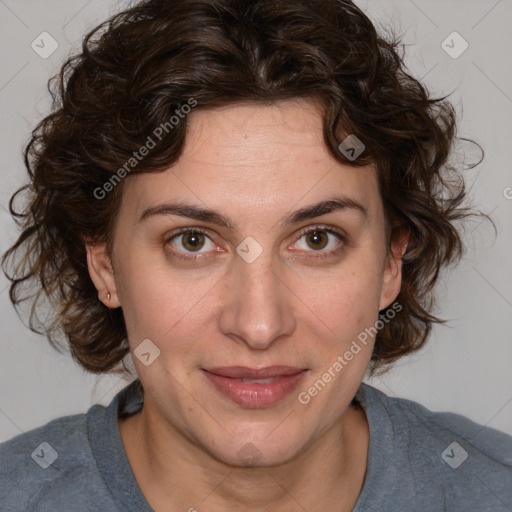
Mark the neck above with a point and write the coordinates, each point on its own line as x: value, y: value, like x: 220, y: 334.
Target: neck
x: 171, y: 469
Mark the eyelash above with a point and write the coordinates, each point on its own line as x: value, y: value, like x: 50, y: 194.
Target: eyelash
x: 305, y: 231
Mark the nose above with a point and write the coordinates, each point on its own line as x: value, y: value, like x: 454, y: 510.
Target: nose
x: 258, y: 305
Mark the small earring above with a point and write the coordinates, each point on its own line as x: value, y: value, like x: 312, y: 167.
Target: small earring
x: 108, y: 296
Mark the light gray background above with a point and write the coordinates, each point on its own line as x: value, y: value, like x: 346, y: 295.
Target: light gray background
x: 466, y: 366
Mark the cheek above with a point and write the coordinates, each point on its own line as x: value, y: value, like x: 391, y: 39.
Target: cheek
x: 347, y: 300
x: 166, y: 306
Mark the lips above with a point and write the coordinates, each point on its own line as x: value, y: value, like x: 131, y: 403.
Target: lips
x: 255, y: 387
x: 243, y: 372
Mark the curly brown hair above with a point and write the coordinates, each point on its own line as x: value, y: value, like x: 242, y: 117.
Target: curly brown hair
x: 137, y: 68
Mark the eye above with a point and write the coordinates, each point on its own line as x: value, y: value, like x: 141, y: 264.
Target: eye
x: 194, y: 241
x: 190, y: 241
x: 319, y: 238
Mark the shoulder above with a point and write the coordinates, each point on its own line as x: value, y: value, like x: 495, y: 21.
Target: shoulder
x: 463, y: 461
x: 437, y: 428
x: 53, y: 459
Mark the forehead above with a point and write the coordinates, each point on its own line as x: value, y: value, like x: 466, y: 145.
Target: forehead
x: 269, y: 157
x: 288, y: 122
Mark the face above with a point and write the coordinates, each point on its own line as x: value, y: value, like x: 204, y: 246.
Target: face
x: 266, y: 287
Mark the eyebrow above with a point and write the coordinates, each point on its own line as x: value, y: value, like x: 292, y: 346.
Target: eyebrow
x: 207, y: 215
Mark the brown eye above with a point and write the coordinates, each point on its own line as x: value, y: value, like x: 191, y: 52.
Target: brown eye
x: 317, y: 239
x: 190, y: 240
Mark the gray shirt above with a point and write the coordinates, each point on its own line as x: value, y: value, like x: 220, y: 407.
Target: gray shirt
x: 418, y: 460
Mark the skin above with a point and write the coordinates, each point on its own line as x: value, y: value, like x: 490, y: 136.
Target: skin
x: 255, y: 164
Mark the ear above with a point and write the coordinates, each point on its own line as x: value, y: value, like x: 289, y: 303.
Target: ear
x: 392, y: 273
x: 102, y: 275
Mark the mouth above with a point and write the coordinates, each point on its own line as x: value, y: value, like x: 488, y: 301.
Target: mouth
x: 252, y: 387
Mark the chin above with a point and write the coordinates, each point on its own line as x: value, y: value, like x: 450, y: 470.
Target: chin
x: 257, y: 453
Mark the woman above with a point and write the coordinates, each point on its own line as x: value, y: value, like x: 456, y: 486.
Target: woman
x: 252, y: 199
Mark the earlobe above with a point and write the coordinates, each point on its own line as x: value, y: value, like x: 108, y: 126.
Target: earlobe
x: 102, y: 275
x: 392, y: 275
